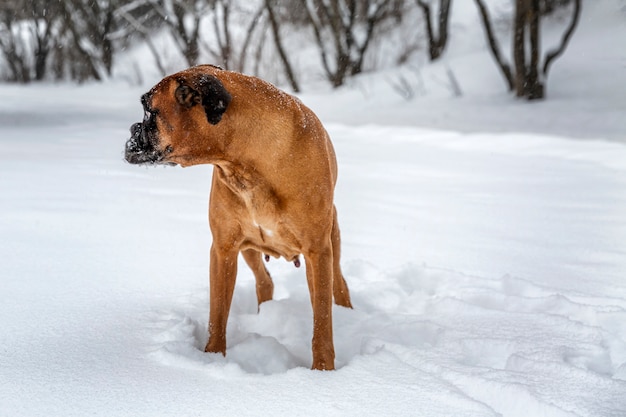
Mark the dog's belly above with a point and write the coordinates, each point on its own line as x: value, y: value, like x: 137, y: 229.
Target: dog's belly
x: 274, y: 239
x: 265, y: 225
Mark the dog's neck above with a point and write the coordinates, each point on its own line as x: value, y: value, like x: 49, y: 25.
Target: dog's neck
x: 240, y: 179
x: 235, y: 177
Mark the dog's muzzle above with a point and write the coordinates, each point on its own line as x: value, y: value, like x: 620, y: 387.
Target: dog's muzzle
x: 140, y: 149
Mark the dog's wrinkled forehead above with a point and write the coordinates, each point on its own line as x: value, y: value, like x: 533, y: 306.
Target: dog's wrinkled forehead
x: 148, y: 98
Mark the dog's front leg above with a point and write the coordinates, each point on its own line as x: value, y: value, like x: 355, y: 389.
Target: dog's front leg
x: 319, y: 273
x: 223, y: 273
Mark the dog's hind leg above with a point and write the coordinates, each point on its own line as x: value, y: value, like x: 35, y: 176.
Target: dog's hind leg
x: 264, y: 284
x: 319, y: 270
x: 340, y: 288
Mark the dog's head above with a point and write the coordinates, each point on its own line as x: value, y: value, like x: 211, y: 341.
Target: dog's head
x: 178, y: 114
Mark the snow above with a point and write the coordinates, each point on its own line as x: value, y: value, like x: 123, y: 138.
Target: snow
x: 484, y: 244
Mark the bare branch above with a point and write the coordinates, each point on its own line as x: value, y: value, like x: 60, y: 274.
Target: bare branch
x: 494, y: 46
x: 146, y: 35
x: 246, y: 43
x: 279, y: 47
x: 552, y: 55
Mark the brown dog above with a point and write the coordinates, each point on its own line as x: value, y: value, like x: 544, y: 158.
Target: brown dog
x: 273, y: 184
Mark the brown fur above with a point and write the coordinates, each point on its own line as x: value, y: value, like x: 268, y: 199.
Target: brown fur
x: 272, y: 191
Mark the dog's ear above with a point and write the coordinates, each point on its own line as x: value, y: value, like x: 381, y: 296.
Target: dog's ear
x: 215, y: 98
x: 208, y: 91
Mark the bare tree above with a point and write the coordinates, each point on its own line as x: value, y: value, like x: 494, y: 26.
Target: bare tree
x: 549, y: 6
x: 89, y: 24
x: 136, y: 23
x: 27, y: 36
x: 250, y: 31
x: 343, y: 30
x: 182, y: 17
x: 567, y: 36
x: 220, y: 18
x: 527, y: 81
x: 494, y: 45
x: 66, y: 37
x: 12, y: 46
x: 78, y: 39
x: 279, y: 45
x: 46, y: 21
x: 437, y: 40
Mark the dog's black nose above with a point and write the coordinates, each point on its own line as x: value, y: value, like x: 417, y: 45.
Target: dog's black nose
x: 138, y: 135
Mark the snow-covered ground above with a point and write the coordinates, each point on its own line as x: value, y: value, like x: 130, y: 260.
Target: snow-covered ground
x: 486, y: 255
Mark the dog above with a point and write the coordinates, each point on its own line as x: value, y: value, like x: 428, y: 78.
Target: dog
x: 272, y: 189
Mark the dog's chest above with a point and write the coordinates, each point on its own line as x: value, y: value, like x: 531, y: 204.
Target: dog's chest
x: 264, y: 224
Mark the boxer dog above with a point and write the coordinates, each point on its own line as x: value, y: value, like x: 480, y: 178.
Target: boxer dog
x: 272, y: 190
